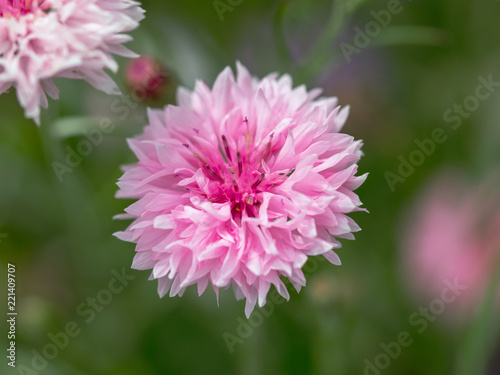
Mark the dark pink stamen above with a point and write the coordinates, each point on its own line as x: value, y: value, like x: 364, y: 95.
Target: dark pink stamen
x: 257, y: 183
x: 240, y: 164
x: 268, y: 146
x: 226, y: 148
x: 212, y: 173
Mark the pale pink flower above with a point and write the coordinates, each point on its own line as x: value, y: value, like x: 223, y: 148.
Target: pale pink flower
x: 239, y: 185
x: 453, y: 235
x: 43, y: 39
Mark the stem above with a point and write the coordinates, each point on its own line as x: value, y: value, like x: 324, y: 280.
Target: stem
x: 321, y: 51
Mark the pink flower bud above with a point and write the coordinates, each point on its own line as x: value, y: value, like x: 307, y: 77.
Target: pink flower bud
x: 147, y: 77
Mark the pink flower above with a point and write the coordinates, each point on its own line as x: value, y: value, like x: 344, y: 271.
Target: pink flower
x: 238, y: 185
x: 454, y: 236
x: 43, y: 39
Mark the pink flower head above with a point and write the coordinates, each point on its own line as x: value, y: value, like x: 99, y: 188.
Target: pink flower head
x: 43, y: 39
x: 239, y: 184
x: 454, y: 237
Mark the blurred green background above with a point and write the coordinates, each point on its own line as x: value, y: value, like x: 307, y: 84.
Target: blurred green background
x: 59, y: 234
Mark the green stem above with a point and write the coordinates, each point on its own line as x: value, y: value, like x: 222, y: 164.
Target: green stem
x: 321, y: 52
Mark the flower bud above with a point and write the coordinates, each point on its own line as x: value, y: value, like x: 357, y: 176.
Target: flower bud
x: 147, y: 77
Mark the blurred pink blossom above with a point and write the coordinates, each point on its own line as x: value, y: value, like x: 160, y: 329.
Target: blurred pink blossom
x: 43, y: 39
x: 454, y: 234
x: 239, y: 184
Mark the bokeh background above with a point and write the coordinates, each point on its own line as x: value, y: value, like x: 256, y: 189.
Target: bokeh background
x: 430, y: 56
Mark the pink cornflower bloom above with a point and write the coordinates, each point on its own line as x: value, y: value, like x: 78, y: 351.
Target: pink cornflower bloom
x: 239, y: 185
x: 43, y: 39
x: 453, y: 237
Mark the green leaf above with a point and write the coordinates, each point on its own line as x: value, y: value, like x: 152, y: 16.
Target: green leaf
x: 66, y: 127
x: 421, y: 35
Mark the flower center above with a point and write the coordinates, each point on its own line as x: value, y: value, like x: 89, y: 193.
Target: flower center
x: 17, y: 8
x: 238, y: 177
